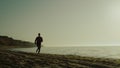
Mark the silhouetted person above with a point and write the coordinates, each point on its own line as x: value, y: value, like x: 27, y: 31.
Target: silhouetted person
x: 38, y: 42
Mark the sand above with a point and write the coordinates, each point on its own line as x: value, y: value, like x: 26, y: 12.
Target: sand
x: 15, y: 59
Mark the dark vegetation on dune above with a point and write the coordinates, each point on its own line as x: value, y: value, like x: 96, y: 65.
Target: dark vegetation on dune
x: 8, y: 41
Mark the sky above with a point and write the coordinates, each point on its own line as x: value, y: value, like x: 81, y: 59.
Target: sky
x: 62, y: 22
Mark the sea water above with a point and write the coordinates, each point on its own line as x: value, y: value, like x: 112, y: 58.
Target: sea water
x: 90, y: 51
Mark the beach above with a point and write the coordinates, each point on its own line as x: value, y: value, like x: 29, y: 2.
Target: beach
x: 67, y: 33
x: 17, y: 59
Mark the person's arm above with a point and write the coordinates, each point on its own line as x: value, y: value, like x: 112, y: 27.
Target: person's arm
x: 35, y: 40
x: 41, y: 39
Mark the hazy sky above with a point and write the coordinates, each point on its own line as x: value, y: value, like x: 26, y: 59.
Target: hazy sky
x: 61, y: 22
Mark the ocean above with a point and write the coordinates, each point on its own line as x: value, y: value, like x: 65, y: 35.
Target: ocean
x: 90, y: 51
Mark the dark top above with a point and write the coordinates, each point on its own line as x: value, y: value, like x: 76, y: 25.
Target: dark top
x: 38, y: 40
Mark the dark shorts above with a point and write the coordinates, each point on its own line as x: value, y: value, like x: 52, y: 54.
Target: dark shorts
x: 39, y: 45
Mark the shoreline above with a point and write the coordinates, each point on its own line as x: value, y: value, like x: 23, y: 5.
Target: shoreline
x: 97, y: 52
x: 15, y: 59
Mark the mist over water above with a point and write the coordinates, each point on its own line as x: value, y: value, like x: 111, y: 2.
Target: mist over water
x: 91, y: 51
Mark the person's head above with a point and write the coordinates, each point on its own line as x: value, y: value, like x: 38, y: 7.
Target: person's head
x: 38, y: 34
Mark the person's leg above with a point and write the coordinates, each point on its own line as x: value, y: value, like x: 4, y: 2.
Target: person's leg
x: 39, y: 49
